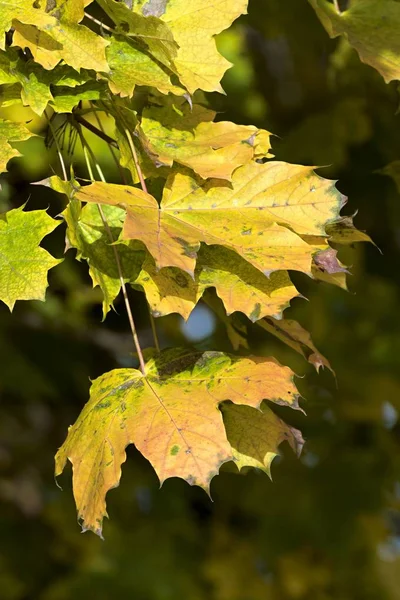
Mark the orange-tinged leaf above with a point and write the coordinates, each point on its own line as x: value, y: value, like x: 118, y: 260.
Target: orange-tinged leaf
x: 259, y: 215
x: 189, y: 136
x: 170, y: 414
x: 255, y: 435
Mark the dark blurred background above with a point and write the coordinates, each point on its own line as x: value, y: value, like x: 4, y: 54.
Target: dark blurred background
x: 328, y: 527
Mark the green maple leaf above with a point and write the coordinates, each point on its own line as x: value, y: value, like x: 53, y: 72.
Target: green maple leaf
x: 372, y: 27
x: 11, y: 132
x: 255, y: 435
x: 171, y: 415
x: 23, y: 264
x: 150, y: 33
x: 86, y: 232
x: 130, y: 66
x: 269, y: 215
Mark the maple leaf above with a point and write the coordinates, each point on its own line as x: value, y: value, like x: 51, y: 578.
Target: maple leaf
x: 236, y: 330
x: 171, y: 415
x: 326, y: 267
x: 294, y: 335
x: 14, y: 12
x: 188, y: 136
x: 63, y: 38
x: 194, y: 23
x: 23, y: 264
x: 255, y: 435
x: 34, y: 80
x: 11, y: 132
x: 145, y: 29
x: 371, y: 26
x: 65, y: 98
x: 130, y: 66
x: 87, y: 233
x: 240, y: 286
x: 343, y: 231
x: 256, y: 215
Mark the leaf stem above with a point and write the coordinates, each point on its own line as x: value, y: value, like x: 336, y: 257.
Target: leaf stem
x: 154, y: 331
x: 337, y: 7
x: 87, y: 150
x: 60, y: 156
x: 144, y: 188
x: 101, y: 134
x: 135, y: 160
x: 110, y: 147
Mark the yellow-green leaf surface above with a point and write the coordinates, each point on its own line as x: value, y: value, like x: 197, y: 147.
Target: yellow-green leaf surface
x: 151, y: 34
x: 188, y: 136
x: 23, y: 264
x: 260, y: 215
x: 11, y: 132
x: 13, y: 12
x: 343, y: 231
x: 129, y: 67
x: 294, y: 335
x: 63, y: 38
x: 372, y: 27
x: 255, y: 435
x: 87, y: 233
x: 170, y: 414
x: 239, y: 285
x: 194, y: 23
x: 65, y: 98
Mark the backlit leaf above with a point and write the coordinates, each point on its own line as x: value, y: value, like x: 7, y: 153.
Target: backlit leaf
x: 189, y: 136
x: 13, y: 12
x: 87, y: 233
x: 372, y: 27
x: 240, y: 286
x: 129, y: 67
x: 11, y: 132
x: 23, y: 264
x: 170, y: 414
x: 194, y: 23
x: 255, y: 435
x: 294, y: 335
x: 256, y: 215
x: 63, y: 38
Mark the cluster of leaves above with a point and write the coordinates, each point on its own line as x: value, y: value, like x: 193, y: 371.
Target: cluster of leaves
x: 201, y: 204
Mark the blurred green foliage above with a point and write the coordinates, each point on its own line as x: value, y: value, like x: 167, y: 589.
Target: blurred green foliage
x: 328, y: 527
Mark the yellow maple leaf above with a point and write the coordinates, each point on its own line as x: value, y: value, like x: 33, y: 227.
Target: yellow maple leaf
x: 240, y: 286
x: 189, y: 136
x: 261, y: 215
x: 171, y: 415
x: 194, y: 23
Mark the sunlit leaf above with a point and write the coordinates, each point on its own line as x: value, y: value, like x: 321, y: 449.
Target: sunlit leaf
x: 23, y: 263
x: 256, y: 215
x: 11, y: 132
x: 170, y: 414
x: 189, y: 136
x: 372, y: 27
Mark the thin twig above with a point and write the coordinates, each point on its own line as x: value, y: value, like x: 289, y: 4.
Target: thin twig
x: 337, y: 7
x: 101, y: 134
x: 87, y: 150
x: 110, y: 147
x: 60, y: 156
x: 154, y: 331
x: 144, y: 188
x: 135, y: 160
